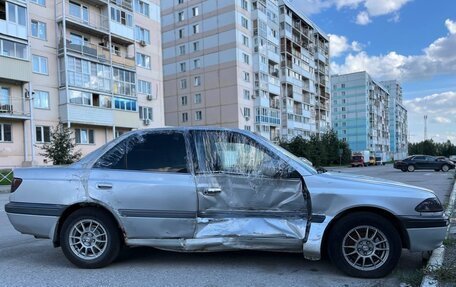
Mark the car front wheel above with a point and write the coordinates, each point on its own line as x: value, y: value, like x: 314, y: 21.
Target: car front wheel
x: 445, y: 168
x: 411, y: 168
x: 90, y: 238
x: 364, y: 245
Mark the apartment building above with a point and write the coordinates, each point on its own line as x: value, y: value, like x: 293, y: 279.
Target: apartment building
x: 94, y: 65
x: 398, y: 120
x: 360, y: 113
x: 258, y: 65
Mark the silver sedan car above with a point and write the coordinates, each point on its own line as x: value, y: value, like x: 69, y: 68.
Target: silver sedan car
x: 212, y: 189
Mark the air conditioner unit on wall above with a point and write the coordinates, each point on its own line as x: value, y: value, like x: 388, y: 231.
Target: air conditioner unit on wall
x: 142, y: 43
x: 150, y: 97
x: 146, y: 122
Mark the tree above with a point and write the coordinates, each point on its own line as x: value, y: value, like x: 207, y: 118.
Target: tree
x: 429, y: 147
x: 61, y: 147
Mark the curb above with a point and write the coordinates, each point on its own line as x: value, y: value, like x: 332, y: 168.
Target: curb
x: 436, y: 260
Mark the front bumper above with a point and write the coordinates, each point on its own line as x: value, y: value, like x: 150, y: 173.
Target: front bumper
x: 425, y: 233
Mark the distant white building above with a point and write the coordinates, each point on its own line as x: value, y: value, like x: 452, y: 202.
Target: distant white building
x: 398, y: 120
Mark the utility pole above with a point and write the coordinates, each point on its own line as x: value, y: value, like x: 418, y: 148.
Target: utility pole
x: 425, y: 127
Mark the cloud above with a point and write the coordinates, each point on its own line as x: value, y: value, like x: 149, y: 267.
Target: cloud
x: 441, y: 111
x: 437, y: 59
x: 371, y: 8
x: 339, y: 45
x: 363, y: 18
x: 451, y: 26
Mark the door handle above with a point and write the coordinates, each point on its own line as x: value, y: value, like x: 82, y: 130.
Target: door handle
x: 212, y: 191
x: 104, y: 185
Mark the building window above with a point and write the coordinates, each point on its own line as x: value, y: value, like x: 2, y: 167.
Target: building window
x: 5, y: 133
x: 122, y: 17
x: 181, y: 33
x: 13, y: 49
x: 197, y: 81
x: 125, y: 104
x: 184, y: 101
x: 197, y: 99
x: 183, y: 66
x: 245, y: 40
x: 182, y: 50
x: 41, y: 100
x: 196, y: 29
x: 246, y: 94
x: 40, y: 64
x: 247, y: 112
x: 4, y: 97
x: 196, y: 63
x: 89, y: 99
x: 86, y: 74
x: 180, y: 1
x: 142, y: 34
x: 146, y: 113
x: 195, y: 11
x: 183, y: 84
x: 143, y: 60
x: 245, y: 58
x: 198, y: 116
x: 247, y: 128
x: 84, y: 136
x: 144, y: 87
x: 142, y: 7
x: 43, y: 134
x: 196, y: 46
x: 184, y: 117
x: 124, y: 82
x: 245, y: 5
x: 342, y: 86
x: 79, y: 11
x: 244, y: 22
x: 246, y: 76
x: 180, y: 16
x: 39, y: 2
x: 38, y: 29
x: 16, y: 14
x: 78, y: 39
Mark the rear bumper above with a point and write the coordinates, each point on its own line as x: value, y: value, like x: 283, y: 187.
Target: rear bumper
x: 425, y: 233
x: 35, y: 219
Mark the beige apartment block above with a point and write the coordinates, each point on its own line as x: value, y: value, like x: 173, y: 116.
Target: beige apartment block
x: 258, y: 65
x: 94, y: 65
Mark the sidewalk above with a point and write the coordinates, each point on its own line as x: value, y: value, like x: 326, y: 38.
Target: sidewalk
x: 4, y: 188
x: 441, y: 267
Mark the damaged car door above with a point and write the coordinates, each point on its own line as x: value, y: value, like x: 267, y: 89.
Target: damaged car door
x: 247, y: 194
x: 147, y: 182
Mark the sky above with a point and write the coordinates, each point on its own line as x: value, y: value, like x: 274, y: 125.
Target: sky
x: 412, y: 41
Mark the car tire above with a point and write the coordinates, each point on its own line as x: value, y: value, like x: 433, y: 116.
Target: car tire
x: 90, y: 238
x: 404, y: 169
x: 411, y: 168
x: 445, y: 168
x: 360, y: 236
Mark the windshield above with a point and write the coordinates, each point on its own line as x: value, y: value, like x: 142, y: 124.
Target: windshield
x: 357, y: 158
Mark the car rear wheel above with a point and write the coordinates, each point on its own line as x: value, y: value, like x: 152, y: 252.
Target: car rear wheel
x: 364, y: 245
x: 90, y: 238
x: 411, y: 168
x: 445, y: 168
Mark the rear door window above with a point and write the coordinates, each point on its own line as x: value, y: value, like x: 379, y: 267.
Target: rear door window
x: 154, y: 152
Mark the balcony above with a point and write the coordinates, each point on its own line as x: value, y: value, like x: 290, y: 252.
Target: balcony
x: 14, y: 107
x: 13, y: 29
x: 18, y: 70
x: 123, y: 60
x: 100, y: 53
x: 89, y: 22
x: 272, y: 116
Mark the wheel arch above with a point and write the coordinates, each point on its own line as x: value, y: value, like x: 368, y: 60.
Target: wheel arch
x: 80, y: 205
x: 405, y: 240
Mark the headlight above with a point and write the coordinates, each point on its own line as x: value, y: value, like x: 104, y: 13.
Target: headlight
x: 430, y: 205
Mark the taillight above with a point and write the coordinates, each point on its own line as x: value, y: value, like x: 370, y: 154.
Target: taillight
x: 15, y: 184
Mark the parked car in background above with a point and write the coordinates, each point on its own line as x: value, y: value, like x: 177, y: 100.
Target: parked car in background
x: 212, y: 189
x: 453, y: 158
x: 379, y: 160
x: 416, y: 162
x: 372, y: 160
x: 360, y: 158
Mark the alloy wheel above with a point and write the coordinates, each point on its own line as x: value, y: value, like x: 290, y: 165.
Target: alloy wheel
x: 88, y: 239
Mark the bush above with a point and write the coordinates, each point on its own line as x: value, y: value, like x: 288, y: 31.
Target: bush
x: 321, y: 150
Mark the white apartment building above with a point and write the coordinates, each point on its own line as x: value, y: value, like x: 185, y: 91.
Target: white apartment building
x: 398, y: 120
x: 360, y: 112
x: 94, y: 65
x: 258, y: 65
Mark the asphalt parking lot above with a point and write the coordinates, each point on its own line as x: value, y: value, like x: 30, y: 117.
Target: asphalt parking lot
x: 25, y: 261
